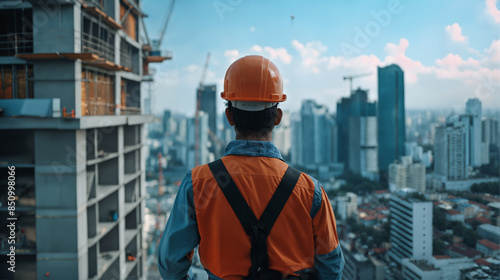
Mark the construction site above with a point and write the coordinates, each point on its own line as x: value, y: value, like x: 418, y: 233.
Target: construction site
x: 73, y: 125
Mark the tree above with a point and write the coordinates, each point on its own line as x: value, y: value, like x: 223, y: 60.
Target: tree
x: 438, y: 219
x: 438, y: 247
x: 470, y: 237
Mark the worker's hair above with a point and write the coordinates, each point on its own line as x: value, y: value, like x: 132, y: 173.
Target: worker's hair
x: 253, y: 122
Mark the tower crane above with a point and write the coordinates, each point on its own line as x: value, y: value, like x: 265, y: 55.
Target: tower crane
x: 350, y: 78
x: 197, y: 113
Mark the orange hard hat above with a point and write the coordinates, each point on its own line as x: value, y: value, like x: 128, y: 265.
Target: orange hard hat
x: 253, y: 78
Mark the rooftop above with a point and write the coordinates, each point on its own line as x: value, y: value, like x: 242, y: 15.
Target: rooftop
x: 463, y: 250
x: 482, y: 262
x: 423, y: 265
x: 489, y: 244
x: 441, y: 257
x: 452, y: 212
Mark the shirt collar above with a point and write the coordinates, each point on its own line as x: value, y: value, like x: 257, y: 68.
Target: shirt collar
x: 253, y: 148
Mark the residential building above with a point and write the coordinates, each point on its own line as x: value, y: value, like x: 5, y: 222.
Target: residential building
x: 347, y: 206
x: 411, y: 227
x: 390, y: 115
x: 407, y: 175
x: 452, y: 148
x: 71, y: 74
x: 490, y: 232
x: 488, y: 248
x: 473, y: 109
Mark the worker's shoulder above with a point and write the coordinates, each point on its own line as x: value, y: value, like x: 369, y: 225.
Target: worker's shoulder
x: 200, y: 172
x: 308, y: 182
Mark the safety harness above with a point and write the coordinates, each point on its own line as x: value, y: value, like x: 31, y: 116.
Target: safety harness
x: 258, y: 230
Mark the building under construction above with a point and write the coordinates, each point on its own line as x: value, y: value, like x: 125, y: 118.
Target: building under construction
x: 71, y: 124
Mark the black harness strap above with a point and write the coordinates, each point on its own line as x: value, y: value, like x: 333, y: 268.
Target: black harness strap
x: 258, y: 230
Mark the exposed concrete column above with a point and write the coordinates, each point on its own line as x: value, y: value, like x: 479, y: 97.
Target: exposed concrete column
x: 61, y: 197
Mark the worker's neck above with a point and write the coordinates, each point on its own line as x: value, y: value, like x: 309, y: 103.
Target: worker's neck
x: 256, y: 137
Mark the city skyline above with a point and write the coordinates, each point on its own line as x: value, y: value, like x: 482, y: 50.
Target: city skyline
x: 449, y: 56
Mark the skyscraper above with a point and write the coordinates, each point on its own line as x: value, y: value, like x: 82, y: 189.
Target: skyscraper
x: 313, y: 142
x: 356, y: 105
x: 473, y: 108
x: 363, y: 147
x: 411, y: 228
x: 207, y: 96
x: 391, y: 115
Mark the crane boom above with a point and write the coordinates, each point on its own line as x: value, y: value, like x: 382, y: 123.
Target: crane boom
x: 164, y: 28
x: 350, y: 78
x: 205, y: 67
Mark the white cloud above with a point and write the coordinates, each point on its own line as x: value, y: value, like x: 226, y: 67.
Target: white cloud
x: 280, y: 54
x: 232, y: 55
x: 190, y: 68
x: 256, y: 48
x: 492, y: 10
x: 311, y: 54
x: 252, y: 28
x: 455, y: 33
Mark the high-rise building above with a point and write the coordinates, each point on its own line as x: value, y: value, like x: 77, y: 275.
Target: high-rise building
x: 452, y: 148
x: 411, y: 228
x: 391, y: 115
x: 363, y: 154
x: 282, y: 135
x: 197, y: 152
x: 72, y: 128
x: 473, y: 108
x: 356, y: 105
x: 207, y: 97
x: 167, y: 117
x: 407, y: 175
x: 490, y: 142
x: 313, y: 143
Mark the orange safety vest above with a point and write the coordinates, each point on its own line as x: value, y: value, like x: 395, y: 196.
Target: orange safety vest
x: 296, y: 236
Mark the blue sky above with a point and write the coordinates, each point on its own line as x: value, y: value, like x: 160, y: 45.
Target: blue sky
x: 449, y: 50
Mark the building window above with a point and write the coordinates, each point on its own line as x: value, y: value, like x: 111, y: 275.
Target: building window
x: 16, y: 81
x: 16, y: 31
x: 98, y: 93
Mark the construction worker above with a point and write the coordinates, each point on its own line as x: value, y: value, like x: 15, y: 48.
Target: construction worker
x: 252, y: 215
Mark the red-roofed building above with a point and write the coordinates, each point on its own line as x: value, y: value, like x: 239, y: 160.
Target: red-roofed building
x: 454, y: 215
x: 479, y: 205
x: 461, y: 250
x: 380, y: 250
x: 482, y: 262
x: 488, y: 248
x: 441, y: 257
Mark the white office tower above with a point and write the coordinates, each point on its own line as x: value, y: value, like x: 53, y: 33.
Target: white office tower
x: 363, y: 147
x: 407, y: 175
x: 282, y: 135
x: 411, y: 227
x: 473, y: 108
x: 452, y: 148
x: 347, y: 206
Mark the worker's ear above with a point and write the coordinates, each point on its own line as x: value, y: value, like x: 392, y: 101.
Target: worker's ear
x: 229, y: 117
x: 278, y: 117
